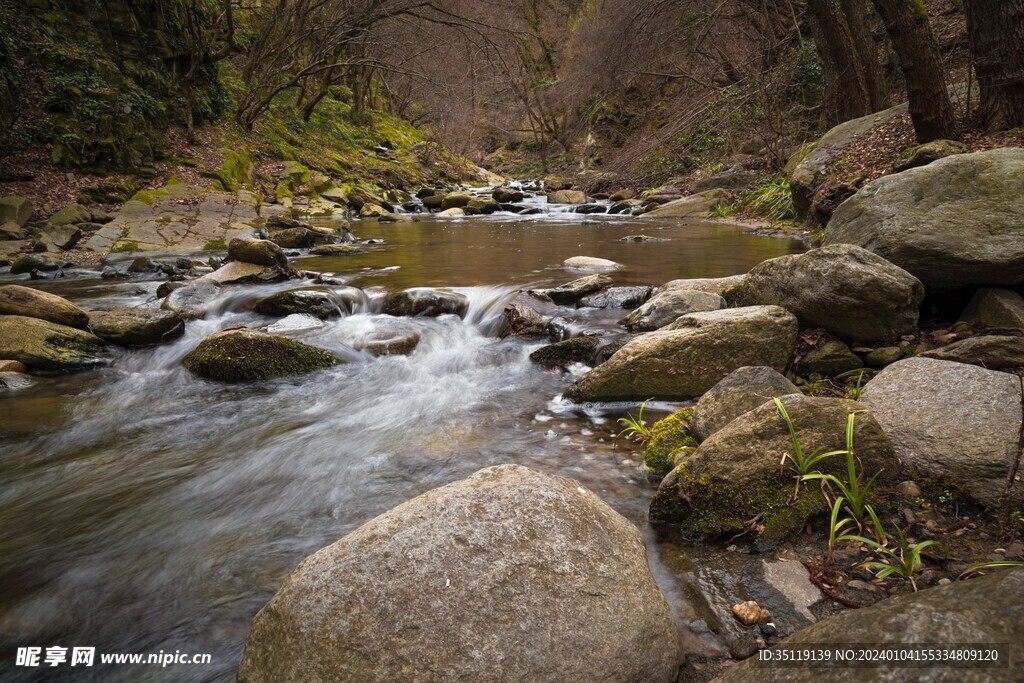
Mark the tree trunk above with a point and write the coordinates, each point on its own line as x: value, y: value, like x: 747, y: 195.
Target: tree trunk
x: 912, y: 37
x: 857, y: 17
x: 996, y: 32
x: 846, y: 90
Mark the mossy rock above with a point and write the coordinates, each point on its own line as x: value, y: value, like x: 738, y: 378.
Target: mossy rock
x: 575, y: 350
x: 243, y: 355
x: 668, y: 435
x: 319, y: 303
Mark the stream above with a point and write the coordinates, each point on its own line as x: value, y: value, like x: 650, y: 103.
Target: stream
x: 143, y: 509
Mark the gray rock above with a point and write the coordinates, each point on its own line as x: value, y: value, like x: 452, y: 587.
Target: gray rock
x: 508, y: 575
x: 739, y: 392
x: 922, y: 155
x: 969, y: 233
x: 193, y: 300
x: 994, y: 353
x: 736, y: 181
x: 235, y: 272
x: 882, y: 356
x: 56, y: 239
x: 618, y: 297
x: 11, y: 231
x: 843, y: 288
x: 43, y: 345
x: 26, y: 263
x: 522, y: 319
x: 426, y: 302
x: 319, y: 303
x: 694, y: 206
x: 831, y: 358
x: 995, y: 308
x: 481, y: 205
x: 72, y: 214
x: 590, y: 263
x: 591, y: 208
x: 735, y: 474
x: 715, y: 285
x: 337, y: 250
x: 34, y: 303
x: 300, y: 238
x: 952, y: 421
x: 666, y: 307
x: 456, y: 200
x: 575, y: 350
x: 15, y: 209
x: 507, y: 195
x: 571, y: 292
x: 688, y: 357
x: 128, y: 326
x: 985, y: 610
x: 258, y: 252
x: 567, y: 197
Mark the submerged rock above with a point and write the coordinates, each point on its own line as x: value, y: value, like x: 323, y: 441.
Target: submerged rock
x: 319, y: 303
x: 969, y: 233
x: 986, y: 610
x: 43, y: 345
x: 128, y: 326
x: 430, y: 590
x: 666, y: 307
x: 734, y: 475
x: 952, y: 421
x: 426, y: 302
x: 560, y: 354
x: 34, y: 303
x: 243, y: 355
x: 843, y: 288
x: 691, y: 355
x: 738, y: 393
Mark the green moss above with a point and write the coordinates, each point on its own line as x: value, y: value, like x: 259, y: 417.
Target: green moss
x: 733, y: 296
x: 149, y: 196
x: 244, y: 356
x: 125, y: 247
x: 668, y: 435
x: 215, y: 245
x: 709, y: 508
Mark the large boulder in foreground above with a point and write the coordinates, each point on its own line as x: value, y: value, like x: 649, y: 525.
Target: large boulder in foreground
x: 988, y: 610
x: 33, y: 303
x: 735, y: 475
x: 508, y: 575
x: 952, y: 421
x: 43, y: 345
x: 739, y: 392
x: 956, y: 222
x: 843, y: 288
x: 130, y: 326
x: 688, y: 357
x: 243, y: 355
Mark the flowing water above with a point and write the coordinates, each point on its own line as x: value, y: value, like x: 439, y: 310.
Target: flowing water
x: 145, y: 510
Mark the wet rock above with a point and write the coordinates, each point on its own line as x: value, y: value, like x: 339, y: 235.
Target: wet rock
x: 843, y: 288
x: 13, y: 366
x: 243, y: 355
x: 388, y: 342
x: 922, y: 155
x: 337, y: 250
x: 716, y: 285
x: 522, y: 319
x: 666, y: 307
x: 590, y: 263
x: 193, y: 300
x: 642, y: 238
x: 688, y: 357
x: 258, y: 252
x: 426, y: 302
x: 694, y: 206
x: 434, y: 201
x: 72, y: 214
x: 43, y: 345
x: 624, y: 206
x: 454, y: 211
x: 995, y: 308
x: 507, y: 195
x: 429, y: 589
x: 748, y: 613
x: 882, y: 356
x: 456, y: 200
x: 567, y: 197
x: 15, y: 210
x: 734, y: 477
x: 169, y: 286
x: 128, y: 326
x: 33, y: 303
x: 739, y: 392
x: 618, y: 297
x: 318, y: 303
x: 297, y: 322
x: 299, y: 238
x: 27, y: 263
x: 987, y: 610
x: 591, y: 208
x: 832, y: 357
x: 370, y: 210
x: 235, y: 272
x: 575, y: 350
x: 570, y: 293
x: 973, y: 234
x: 952, y: 421
x: 992, y: 352
x: 143, y: 264
x: 481, y: 205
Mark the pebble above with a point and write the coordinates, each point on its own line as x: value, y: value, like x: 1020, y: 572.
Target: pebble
x: 909, y: 489
x: 748, y: 613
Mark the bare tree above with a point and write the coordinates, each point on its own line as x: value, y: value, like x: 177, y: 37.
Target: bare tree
x: 996, y: 33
